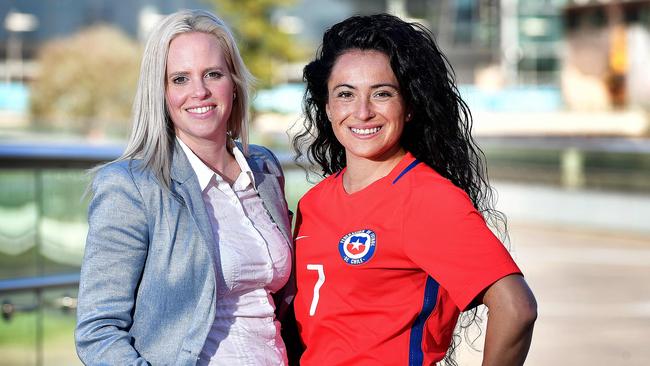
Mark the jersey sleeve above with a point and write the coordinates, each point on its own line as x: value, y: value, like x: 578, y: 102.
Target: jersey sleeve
x: 446, y: 236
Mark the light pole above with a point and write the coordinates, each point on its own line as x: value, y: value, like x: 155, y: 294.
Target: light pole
x: 16, y: 23
x: 510, y: 51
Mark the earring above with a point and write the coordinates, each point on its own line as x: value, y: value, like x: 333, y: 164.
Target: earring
x: 234, y: 95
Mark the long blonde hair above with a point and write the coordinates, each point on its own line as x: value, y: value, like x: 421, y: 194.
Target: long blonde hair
x: 152, y: 134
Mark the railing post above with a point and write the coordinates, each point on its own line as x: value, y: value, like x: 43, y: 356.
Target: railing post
x: 39, y: 327
x: 40, y: 265
x: 572, y: 167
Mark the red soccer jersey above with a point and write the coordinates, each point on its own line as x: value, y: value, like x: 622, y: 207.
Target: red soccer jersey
x: 383, y: 273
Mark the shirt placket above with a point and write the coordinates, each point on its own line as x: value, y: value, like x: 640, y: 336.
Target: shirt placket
x: 246, y: 188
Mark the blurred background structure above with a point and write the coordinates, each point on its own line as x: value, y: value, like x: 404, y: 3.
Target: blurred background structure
x: 560, y: 95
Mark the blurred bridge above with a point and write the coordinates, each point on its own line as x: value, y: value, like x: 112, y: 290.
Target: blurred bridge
x: 586, y: 252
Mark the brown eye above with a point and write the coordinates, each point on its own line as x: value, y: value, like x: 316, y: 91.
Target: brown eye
x: 383, y: 94
x: 344, y: 94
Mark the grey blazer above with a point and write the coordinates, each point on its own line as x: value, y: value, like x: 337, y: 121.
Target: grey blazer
x: 147, y: 292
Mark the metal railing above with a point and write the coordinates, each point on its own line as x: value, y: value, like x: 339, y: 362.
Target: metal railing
x: 54, y: 156
x: 41, y: 156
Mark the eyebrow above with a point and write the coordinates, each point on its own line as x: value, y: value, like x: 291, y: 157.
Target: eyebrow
x: 183, y: 72
x: 177, y: 73
x: 374, y: 86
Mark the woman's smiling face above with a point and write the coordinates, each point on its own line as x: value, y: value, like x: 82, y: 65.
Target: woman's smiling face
x: 199, y: 88
x: 365, y: 105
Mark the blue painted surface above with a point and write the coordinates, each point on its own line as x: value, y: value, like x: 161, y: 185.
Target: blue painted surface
x: 513, y: 99
x: 287, y: 98
x: 14, y: 97
x: 49, y: 150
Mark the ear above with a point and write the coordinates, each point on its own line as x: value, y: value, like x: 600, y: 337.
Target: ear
x: 409, y: 115
x: 327, y: 111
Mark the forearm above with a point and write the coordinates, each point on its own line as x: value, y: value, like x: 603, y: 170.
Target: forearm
x: 506, y: 341
x: 512, y: 311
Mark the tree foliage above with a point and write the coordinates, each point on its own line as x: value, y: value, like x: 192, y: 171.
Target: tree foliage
x: 87, y: 81
x: 263, y: 45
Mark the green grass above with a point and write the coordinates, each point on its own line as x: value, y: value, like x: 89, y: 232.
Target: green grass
x: 18, y: 339
x: 295, y: 186
x: 21, y: 329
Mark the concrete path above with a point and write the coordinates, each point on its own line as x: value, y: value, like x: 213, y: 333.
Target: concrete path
x: 593, y: 292
x: 584, y: 209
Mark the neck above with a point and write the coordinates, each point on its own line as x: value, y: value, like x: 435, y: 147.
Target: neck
x: 216, y: 156
x: 361, y: 173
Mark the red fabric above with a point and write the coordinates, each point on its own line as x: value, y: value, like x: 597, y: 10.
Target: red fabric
x: 423, y: 226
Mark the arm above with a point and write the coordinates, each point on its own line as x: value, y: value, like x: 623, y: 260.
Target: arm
x: 116, y: 249
x: 512, y: 311
x: 474, y: 267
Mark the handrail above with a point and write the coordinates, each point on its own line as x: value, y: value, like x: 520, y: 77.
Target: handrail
x: 40, y: 282
x: 80, y: 155
x: 31, y: 154
x: 583, y: 143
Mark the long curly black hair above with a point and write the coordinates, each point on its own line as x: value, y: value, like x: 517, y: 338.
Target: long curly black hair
x: 439, y: 133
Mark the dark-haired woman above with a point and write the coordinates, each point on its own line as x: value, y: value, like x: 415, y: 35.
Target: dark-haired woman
x: 393, y: 245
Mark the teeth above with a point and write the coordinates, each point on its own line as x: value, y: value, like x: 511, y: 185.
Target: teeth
x: 200, y: 109
x: 365, y: 131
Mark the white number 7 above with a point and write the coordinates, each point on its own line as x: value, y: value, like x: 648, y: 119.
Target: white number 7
x: 317, y: 286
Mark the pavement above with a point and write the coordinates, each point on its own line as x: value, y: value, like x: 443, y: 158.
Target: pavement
x: 593, y: 292
x: 609, y: 211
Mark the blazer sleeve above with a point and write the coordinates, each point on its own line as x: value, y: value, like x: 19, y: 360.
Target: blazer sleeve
x: 115, y: 253
x: 276, y: 168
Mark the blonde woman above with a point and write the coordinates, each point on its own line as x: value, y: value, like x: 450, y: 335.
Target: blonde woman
x: 188, y: 253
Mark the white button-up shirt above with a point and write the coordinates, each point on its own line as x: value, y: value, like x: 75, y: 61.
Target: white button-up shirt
x: 254, y: 261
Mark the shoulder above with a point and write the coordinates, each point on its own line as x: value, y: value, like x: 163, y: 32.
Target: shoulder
x: 262, y: 159
x: 123, y: 173
x: 430, y: 189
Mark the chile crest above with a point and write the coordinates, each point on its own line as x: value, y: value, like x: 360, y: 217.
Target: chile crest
x: 358, y: 247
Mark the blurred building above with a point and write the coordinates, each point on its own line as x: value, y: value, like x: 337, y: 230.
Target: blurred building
x: 510, y: 41
x: 582, y: 46
x: 495, y: 42
x: 56, y: 19
x: 607, y: 51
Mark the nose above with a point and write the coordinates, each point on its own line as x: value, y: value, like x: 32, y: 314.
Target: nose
x: 200, y: 91
x: 364, y: 110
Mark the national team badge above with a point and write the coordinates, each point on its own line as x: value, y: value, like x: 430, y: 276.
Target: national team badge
x: 358, y: 247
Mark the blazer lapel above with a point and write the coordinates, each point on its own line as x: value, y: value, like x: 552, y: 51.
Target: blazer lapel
x: 186, y: 186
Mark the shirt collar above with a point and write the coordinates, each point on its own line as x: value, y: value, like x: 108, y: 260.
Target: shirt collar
x: 205, y: 174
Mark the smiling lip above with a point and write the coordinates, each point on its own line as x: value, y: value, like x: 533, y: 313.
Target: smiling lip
x: 201, y: 110
x: 365, y: 132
